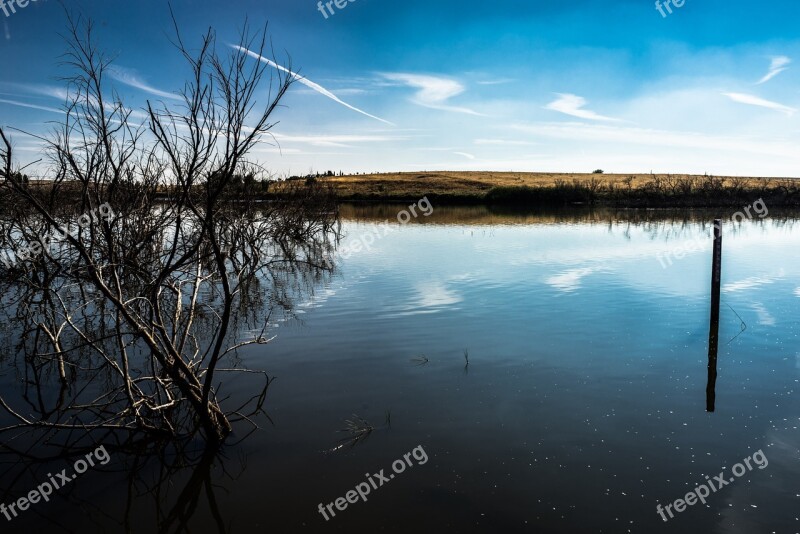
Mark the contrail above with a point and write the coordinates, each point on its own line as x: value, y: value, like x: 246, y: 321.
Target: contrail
x: 777, y: 66
x: 308, y: 83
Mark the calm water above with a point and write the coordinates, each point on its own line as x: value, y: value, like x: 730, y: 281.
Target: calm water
x: 582, y: 406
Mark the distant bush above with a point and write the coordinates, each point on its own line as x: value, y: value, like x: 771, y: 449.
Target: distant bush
x: 598, y: 171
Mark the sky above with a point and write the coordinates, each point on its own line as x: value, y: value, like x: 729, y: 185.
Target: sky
x: 422, y: 85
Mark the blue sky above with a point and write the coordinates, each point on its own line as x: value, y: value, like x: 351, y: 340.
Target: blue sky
x: 533, y: 85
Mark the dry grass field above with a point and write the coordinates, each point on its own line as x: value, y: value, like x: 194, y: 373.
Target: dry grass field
x: 510, y: 187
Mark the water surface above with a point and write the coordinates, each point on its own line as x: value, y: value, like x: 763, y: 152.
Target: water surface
x: 582, y: 405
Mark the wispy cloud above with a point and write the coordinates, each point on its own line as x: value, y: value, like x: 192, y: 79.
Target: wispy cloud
x: 607, y: 133
x: 132, y: 79
x: 335, y: 140
x: 777, y: 66
x: 753, y: 100
x: 308, y: 83
x: 573, y: 105
x: 497, y: 82
x: 465, y: 154
x: 276, y: 150
x: 503, y: 142
x: 433, y: 91
x: 346, y: 91
x: 29, y: 89
x: 31, y: 106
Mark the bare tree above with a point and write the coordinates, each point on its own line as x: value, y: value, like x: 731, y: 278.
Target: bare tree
x: 141, y: 299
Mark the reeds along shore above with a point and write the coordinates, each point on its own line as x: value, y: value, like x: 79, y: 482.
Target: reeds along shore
x: 667, y: 192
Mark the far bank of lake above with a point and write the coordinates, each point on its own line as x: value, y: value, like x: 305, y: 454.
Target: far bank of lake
x: 558, y: 189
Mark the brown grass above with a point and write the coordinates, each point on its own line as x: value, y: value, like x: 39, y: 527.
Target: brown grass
x: 415, y: 185
x: 615, y: 189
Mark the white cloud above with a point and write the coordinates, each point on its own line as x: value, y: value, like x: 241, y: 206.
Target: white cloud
x: 52, y: 91
x: 500, y: 81
x: 334, y: 140
x: 658, y: 138
x: 777, y: 66
x: 31, y: 106
x: 433, y: 91
x: 466, y: 155
x: 573, y: 105
x: 346, y: 91
x: 503, y: 142
x: 753, y: 100
x: 276, y: 150
x: 308, y: 83
x: 131, y: 79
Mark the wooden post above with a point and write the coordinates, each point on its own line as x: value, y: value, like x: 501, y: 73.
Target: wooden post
x: 713, y: 336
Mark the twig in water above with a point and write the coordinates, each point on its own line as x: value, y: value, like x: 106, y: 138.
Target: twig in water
x: 420, y: 360
x: 743, y: 326
x: 359, y: 430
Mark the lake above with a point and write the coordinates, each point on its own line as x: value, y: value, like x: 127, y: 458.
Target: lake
x: 529, y: 371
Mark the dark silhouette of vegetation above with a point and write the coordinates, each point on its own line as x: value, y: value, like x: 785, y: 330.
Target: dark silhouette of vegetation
x: 669, y: 191
x: 136, y: 316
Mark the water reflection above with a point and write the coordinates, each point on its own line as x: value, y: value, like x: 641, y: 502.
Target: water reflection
x: 115, y: 339
x: 575, y: 406
x: 713, y: 336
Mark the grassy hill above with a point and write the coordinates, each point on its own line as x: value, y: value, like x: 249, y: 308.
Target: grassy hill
x: 636, y: 190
